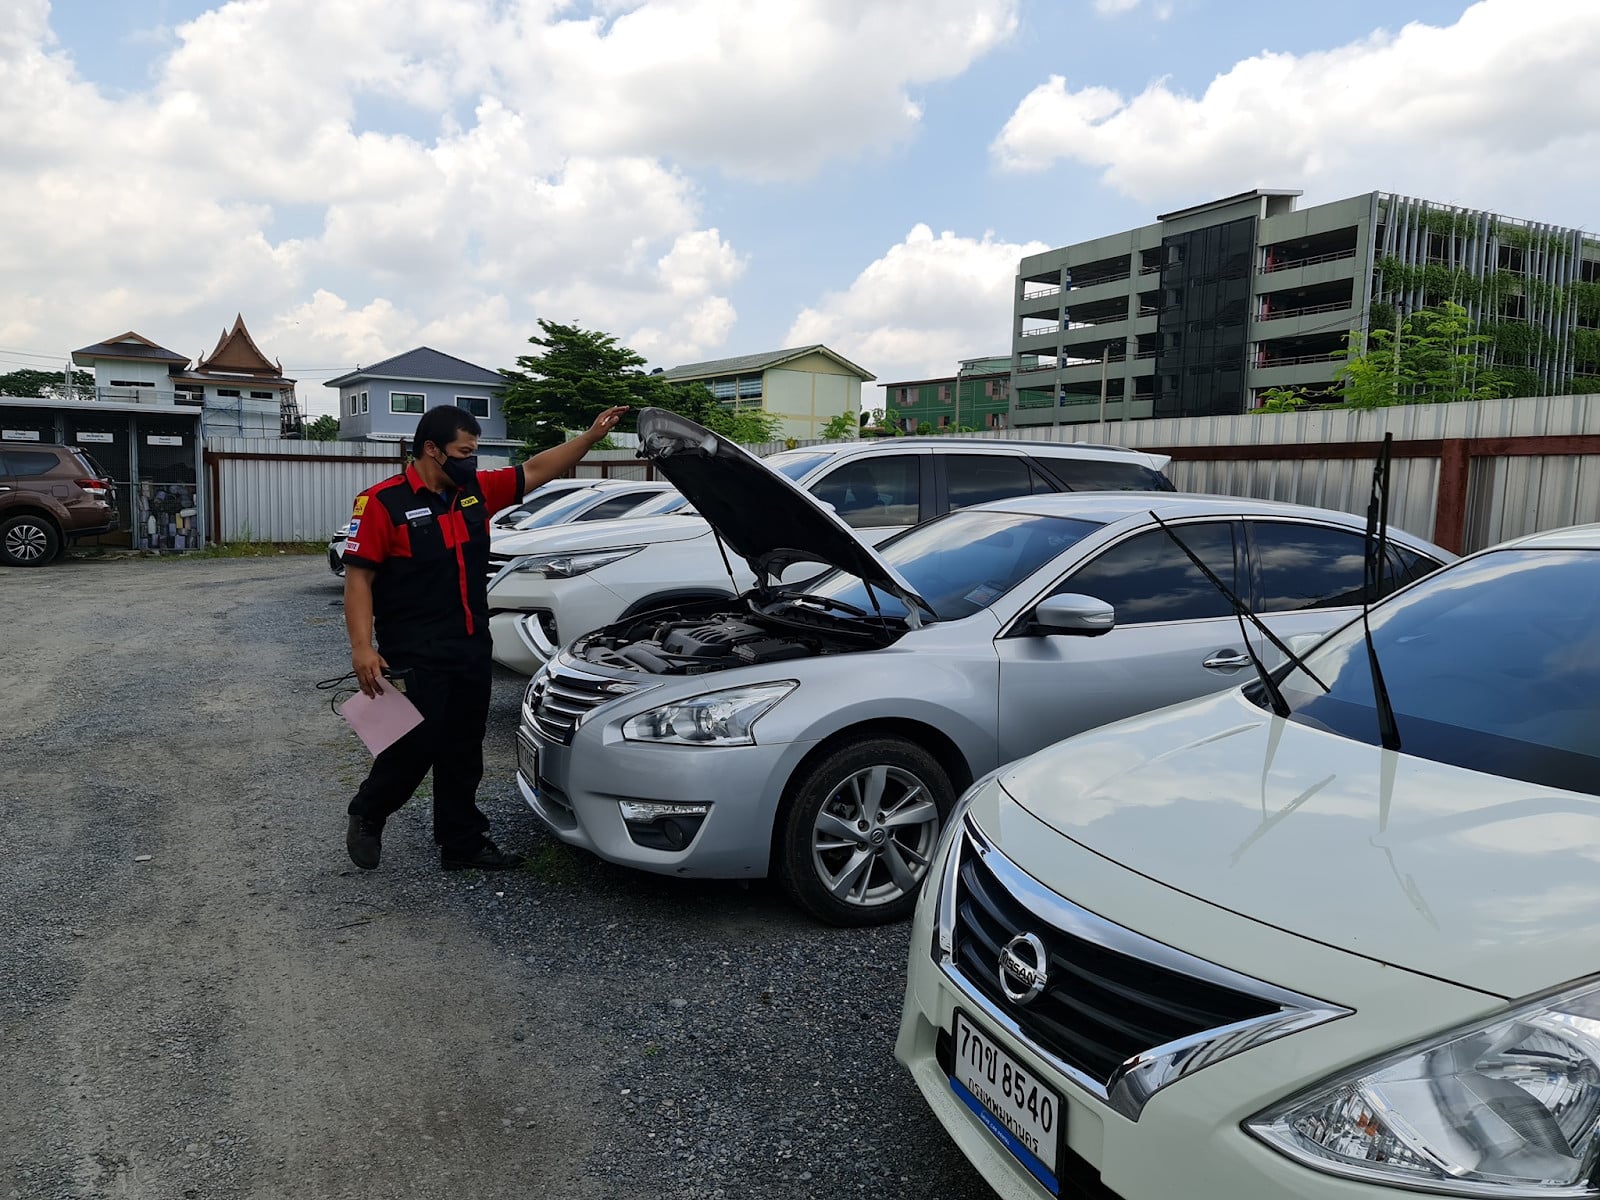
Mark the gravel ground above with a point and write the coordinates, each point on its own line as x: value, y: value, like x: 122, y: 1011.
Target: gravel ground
x: 201, y: 997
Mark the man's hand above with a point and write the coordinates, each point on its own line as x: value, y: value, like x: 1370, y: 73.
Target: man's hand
x: 605, y: 423
x: 370, y: 666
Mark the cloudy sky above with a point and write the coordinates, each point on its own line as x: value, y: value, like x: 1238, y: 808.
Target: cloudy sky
x: 705, y: 178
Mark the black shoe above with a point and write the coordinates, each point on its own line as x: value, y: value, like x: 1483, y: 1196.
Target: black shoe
x: 364, y: 840
x: 487, y: 857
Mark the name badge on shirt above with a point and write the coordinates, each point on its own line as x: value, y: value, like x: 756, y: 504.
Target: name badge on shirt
x: 468, y: 501
x: 420, y: 516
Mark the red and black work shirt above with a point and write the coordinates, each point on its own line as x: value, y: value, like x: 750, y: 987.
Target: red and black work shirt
x: 430, y: 552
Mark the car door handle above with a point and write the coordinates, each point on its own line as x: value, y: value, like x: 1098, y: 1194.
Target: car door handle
x: 1227, y: 660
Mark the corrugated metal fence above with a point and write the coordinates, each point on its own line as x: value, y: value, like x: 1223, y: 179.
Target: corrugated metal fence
x: 1466, y: 475
x: 269, y: 490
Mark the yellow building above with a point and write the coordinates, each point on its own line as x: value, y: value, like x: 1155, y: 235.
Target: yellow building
x: 804, y: 387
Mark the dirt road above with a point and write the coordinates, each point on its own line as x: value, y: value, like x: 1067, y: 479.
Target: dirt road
x: 200, y: 996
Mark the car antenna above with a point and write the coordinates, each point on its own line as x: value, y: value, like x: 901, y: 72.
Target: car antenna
x: 1376, y: 555
x: 1241, y: 610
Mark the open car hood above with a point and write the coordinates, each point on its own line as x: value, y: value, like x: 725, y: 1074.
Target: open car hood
x: 760, y: 514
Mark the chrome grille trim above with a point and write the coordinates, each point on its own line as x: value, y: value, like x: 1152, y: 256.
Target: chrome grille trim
x: 559, y: 699
x: 1135, y: 1080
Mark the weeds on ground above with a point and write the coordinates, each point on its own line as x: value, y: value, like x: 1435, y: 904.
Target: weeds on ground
x: 553, y: 863
x: 246, y: 550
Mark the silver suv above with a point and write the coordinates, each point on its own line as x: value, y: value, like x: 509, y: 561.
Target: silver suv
x: 557, y: 584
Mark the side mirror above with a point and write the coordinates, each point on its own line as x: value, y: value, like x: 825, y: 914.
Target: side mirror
x: 1074, y: 613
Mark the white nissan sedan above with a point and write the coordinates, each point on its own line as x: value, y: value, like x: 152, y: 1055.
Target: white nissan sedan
x: 1334, y: 934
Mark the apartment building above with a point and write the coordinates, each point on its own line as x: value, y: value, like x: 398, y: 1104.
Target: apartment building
x: 977, y: 396
x: 1203, y: 311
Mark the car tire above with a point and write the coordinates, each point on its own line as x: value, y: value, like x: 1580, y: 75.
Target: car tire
x: 859, y: 830
x: 28, y: 541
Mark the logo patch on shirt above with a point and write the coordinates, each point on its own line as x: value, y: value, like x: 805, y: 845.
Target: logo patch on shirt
x: 354, y: 525
x: 468, y: 501
x: 352, y: 547
x: 414, y: 513
x: 361, y: 505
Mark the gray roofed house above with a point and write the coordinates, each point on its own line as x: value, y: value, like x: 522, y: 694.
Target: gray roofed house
x: 381, y: 402
x: 804, y: 386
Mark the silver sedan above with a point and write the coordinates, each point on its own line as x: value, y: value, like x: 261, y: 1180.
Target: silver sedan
x: 821, y: 732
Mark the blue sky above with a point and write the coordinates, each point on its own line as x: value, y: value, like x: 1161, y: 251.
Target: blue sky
x: 708, y: 177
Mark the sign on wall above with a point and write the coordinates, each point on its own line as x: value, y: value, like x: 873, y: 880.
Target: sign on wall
x: 96, y: 437
x: 20, y: 435
x: 163, y: 439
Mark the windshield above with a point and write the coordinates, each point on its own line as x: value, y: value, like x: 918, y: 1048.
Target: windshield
x: 566, y: 506
x: 962, y: 562
x: 532, y: 505
x: 1492, y: 665
x: 795, y: 464
x: 655, y: 506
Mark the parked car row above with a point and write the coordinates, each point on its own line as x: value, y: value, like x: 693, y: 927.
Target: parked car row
x: 1190, y: 917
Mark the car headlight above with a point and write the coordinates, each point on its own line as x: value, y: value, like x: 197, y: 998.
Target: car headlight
x: 565, y: 566
x: 714, y: 719
x: 1506, y: 1108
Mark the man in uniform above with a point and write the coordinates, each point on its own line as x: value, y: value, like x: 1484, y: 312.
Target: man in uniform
x: 416, y: 574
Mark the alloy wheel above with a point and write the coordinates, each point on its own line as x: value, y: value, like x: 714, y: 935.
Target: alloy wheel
x: 874, y: 835
x: 26, y: 542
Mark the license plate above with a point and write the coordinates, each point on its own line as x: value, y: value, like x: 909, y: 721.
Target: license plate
x: 528, y: 760
x: 1022, y: 1112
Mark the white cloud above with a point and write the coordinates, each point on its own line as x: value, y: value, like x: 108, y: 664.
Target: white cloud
x: 1467, y: 113
x: 926, y: 304
x: 1107, y: 8
x: 357, y: 178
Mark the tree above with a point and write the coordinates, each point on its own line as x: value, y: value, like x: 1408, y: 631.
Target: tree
x: 1434, y: 358
x: 884, y: 422
x: 45, y: 384
x: 583, y: 372
x: 324, y: 429
x: 843, y: 427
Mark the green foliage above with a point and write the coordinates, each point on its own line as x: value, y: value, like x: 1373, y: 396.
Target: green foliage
x: 1448, y: 224
x: 43, y: 384
x: 1281, y: 399
x: 1586, y: 346
x: 324, y: 429
x: 1435, y: 359
x: 883, y: 422
x: 1587, y: 297
x: 581, y: 373
x: 1381, y: 314
x: 842, y: 427
x: 1521, y: 381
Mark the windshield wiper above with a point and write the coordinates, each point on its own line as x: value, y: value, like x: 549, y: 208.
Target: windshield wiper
x: 1241, y: 610
x: 1377, y: 549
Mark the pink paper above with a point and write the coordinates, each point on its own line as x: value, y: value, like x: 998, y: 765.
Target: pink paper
x: 382, y: 720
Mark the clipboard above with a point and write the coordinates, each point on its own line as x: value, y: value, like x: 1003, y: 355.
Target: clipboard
x: 382, y: 720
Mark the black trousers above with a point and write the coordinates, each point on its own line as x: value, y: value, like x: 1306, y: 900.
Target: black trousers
x: 454, y: 703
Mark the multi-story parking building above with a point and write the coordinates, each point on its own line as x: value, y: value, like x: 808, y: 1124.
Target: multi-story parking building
x: 1203, y: 311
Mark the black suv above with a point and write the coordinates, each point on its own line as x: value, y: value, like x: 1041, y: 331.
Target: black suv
x: 49, y: 495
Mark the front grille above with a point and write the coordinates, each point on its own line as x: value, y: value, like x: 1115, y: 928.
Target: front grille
x: 1122, y: 1013
x: 561, y: 696
x: 1101, y: 1007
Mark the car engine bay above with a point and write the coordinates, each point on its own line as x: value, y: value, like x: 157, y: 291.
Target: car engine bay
x: 704, y: 638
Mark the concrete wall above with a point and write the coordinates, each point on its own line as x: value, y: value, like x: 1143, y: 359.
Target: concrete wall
x: 807, y: 398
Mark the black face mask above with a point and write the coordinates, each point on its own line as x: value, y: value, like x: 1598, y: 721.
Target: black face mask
x: 461, y: 471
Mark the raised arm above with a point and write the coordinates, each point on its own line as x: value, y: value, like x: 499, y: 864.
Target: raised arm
x: 558, y: 460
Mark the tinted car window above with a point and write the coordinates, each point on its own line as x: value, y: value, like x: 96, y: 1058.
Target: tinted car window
x: 795, y: 464
x: 1094, y: 475
x: 1492, y: 665
x: 976, y: 478
x: 615, y: 506
x: 1148, y: 578
x: 962, y: 562
x: 1314, y: 566
x: 27, y: 463
x: 532, y: 505
x: 871, y: 492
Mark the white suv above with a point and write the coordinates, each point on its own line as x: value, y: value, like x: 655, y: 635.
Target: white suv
x: 555, y: 585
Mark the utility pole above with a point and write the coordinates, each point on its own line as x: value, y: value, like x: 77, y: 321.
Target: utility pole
x: 1105, y: 361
